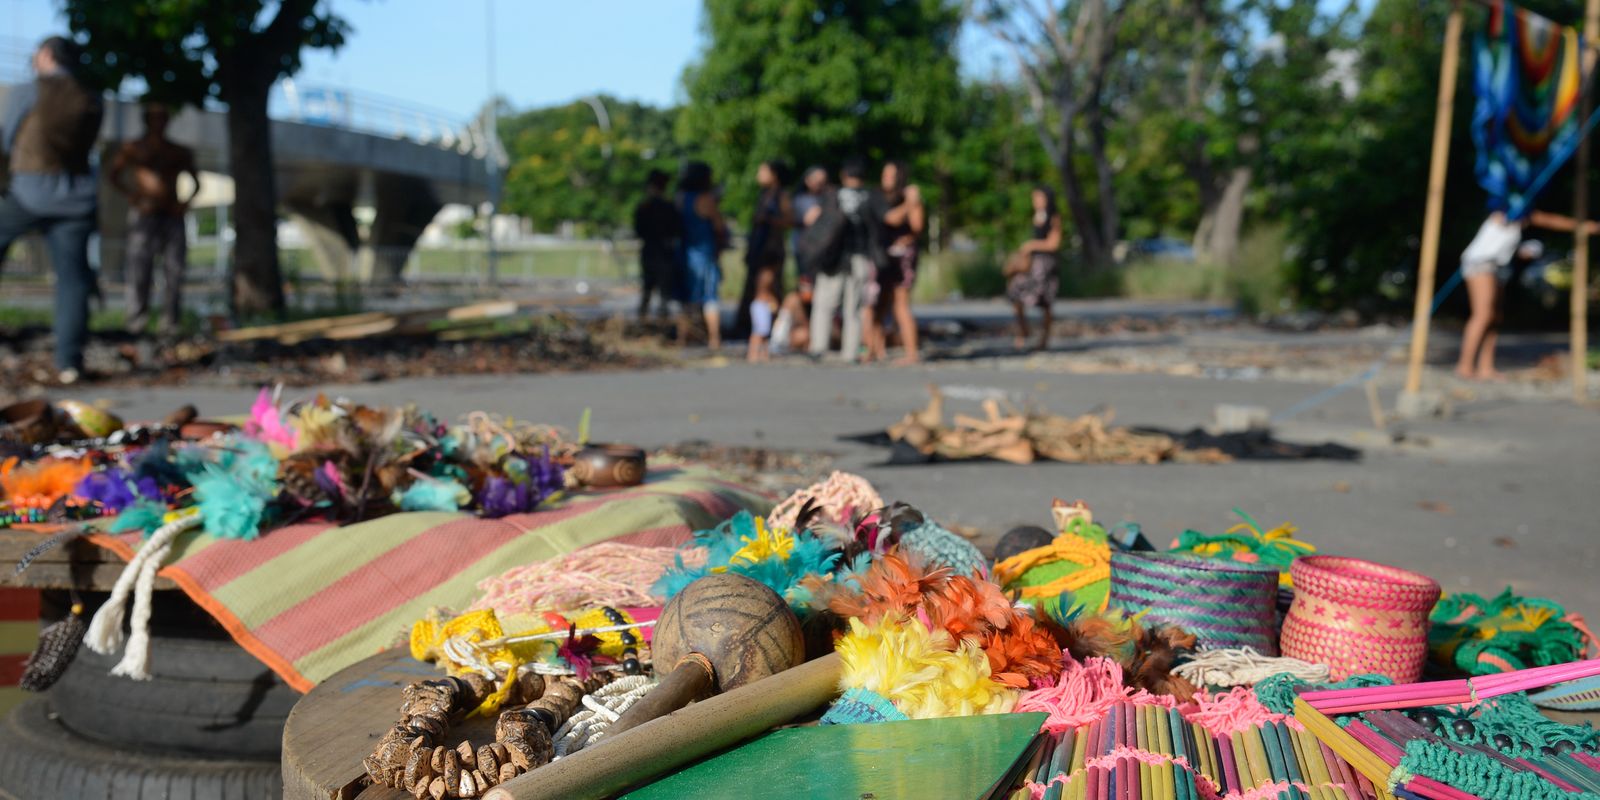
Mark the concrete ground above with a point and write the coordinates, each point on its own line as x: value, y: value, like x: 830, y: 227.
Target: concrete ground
x: 1505, y: 492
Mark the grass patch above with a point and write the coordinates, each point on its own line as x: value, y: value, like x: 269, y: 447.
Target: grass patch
x: 1257, y: 281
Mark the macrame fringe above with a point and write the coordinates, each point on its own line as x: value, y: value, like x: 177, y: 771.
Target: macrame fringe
x: 105, y: 630
x: 1244, y: 666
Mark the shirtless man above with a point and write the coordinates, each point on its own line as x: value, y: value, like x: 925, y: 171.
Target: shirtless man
x: 155, y: 217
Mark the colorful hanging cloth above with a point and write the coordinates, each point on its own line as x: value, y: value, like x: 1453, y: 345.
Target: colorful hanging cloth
x: 1527, y: 78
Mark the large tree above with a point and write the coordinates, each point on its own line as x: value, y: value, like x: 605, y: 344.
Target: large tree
x: 230, y: 51
x: 812, y: 81
x: 566, y: 166
x: 1065, y: 54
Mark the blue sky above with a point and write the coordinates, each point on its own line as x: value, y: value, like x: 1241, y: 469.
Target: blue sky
x: 433, y: 52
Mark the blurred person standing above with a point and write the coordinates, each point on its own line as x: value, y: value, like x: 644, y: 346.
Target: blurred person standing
x: 155, y: 218
x: 902, y: 224
x: 764, y: 256
x: 842, y: 283
x: 657, y: 224
x: 48, y: 128
x: 1489, y: 254
x: 1032, y: 278
x: 705, y: 233
x: 792, y: 328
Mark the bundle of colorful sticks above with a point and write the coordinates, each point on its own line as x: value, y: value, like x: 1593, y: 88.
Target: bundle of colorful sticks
x: 1417, y: 757
x: 1148, y: 751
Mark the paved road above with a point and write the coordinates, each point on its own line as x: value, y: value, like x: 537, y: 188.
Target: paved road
x: 1503, y: 494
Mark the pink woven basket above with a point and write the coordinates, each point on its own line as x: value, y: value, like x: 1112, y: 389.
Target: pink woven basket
x: 1359, y: 617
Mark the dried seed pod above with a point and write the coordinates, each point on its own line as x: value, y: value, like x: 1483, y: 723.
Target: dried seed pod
x: 500, y: 756
x: 487, y: 761
x: 508, y: 771
x: 436, y: 761
x: 466, y: 755
x: 526, y: 687
x: 452, y: 768
x: 522, y: 754
x: 487, y: 778
x: 478, y: 687
x: 418, y: 768
x: 375, y: 769
x: 431, y: 727
x: 397, y: 778
x: 436, y: 789
x: 468, y: 787
x: 421, y: 789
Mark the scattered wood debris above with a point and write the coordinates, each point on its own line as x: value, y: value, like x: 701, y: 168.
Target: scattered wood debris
x: 1021, y: 437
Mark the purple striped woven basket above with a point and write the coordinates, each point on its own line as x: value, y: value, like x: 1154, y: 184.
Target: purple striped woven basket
x: 1223, y: 603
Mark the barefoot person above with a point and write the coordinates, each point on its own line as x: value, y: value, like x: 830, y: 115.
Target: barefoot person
x: 704, y: 233
x: 1490, y: 250
x: 766, y: 254
x: 155, y: 218
x: 903, y: 223
x: 1035, y: 281
x: 48, y: 128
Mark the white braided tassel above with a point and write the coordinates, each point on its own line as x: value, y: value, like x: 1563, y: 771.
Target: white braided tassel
x: 139, y: 577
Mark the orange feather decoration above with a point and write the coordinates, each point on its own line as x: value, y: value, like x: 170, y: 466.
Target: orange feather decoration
x: 43, y: 482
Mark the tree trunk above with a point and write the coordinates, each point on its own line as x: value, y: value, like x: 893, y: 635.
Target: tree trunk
x: 1090, y: 244
x: 1107, y: 193
x: 257, y: 283
x: 1216, y: 238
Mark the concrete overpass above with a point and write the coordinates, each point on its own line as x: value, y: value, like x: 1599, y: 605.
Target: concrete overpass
x: 334, y: 151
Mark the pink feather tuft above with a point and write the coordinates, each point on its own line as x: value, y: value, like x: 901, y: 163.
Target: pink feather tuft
x: 267, y: 425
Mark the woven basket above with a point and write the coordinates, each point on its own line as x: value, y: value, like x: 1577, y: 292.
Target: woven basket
x: 1359, y: 617
x: 1224, y: 603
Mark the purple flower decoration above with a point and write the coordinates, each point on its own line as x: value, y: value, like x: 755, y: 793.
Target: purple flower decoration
x: 113, y: 489
x: 527, y: 483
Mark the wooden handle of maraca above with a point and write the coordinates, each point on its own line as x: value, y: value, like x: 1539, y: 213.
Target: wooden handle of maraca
x: 662, y: 745
x: 690, y: 680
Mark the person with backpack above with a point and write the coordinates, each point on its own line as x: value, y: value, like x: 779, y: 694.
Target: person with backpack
x: 844, y: 251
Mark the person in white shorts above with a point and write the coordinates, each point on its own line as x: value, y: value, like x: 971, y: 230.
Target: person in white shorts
x: 1489, y: 252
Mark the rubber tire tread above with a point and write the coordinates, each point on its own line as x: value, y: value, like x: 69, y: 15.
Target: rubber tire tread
x: 206, y: 697
x: 42, y: 760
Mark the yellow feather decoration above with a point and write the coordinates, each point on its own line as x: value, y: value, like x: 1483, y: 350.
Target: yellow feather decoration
x: 922, y: 672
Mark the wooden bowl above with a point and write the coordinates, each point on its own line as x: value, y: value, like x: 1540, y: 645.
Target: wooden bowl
x: 606, y: 466
x: 30, y: 422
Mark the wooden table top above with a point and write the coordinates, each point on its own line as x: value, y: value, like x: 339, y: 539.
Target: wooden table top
x: 340, y: 721
x: 94, y: 568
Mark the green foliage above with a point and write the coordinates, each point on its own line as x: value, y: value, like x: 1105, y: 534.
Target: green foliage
x: 983, y: 167
x: 187, y: 51
x: 565, y: 168
x: 1357, y: 191
x: 816, y: 82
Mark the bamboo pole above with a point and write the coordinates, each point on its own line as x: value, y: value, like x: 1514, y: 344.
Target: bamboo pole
x: 1580, y: 212
x: 1434, y: 213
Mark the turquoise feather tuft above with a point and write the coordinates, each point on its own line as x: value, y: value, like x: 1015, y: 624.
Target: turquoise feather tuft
x: 143, y: 515
x: 433, y: 495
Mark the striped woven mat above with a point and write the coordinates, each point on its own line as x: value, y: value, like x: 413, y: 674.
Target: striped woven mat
x: 311, y: 599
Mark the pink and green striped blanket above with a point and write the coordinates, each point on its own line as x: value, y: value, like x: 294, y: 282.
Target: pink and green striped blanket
x: 311, y: 599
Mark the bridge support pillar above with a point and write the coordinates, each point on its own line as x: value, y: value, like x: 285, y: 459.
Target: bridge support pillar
x: 325, y: 213
x: 403, y: 207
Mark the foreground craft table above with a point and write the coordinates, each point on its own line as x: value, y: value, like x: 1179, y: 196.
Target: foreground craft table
x: 80, y: 564
x: 335, y: 726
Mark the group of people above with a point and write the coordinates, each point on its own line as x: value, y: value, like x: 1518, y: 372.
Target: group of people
x: 48, y: 130
x: 856, y: 247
